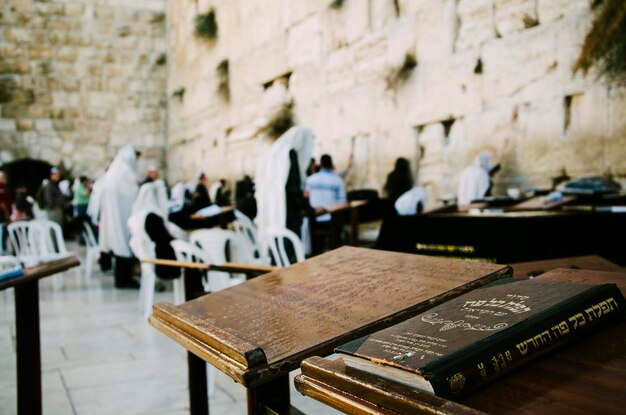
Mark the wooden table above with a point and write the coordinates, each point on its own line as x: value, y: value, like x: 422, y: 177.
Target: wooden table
x: 507, y: 237
x: 338, y: 212
x: 592, y: 262
x: 258, y: 331
x: 587, y: 376
x: 27, y: 330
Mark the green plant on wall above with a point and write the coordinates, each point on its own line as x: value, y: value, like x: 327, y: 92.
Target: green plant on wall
x: 206, y: 25
x: 605, y: 45
x: 179, y: 93
x: 223, y: 86
x: 281, y: 122
x: 336, y: 4
x: 399, y: 75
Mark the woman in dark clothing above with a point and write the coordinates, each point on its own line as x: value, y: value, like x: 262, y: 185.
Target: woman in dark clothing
x: 399, y: 180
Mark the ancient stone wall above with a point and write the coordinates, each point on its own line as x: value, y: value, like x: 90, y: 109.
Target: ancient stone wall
x: 81, y: 78
x: 489, y: 74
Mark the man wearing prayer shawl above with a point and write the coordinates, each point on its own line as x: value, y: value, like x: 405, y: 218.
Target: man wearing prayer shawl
x: 280, y: 180
x: 114, y: 197
x: 475, y: 179
x: 151, y: 231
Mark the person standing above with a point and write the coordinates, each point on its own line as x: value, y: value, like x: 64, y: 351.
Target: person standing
x: 399, y: 181
x: 113, y: 202
x: 280, y: 179
x: 80, y: 198
x: 52, y: 198
x: 325, y: 187
x: 200, y: 195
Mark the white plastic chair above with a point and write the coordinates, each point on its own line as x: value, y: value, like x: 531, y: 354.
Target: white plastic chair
x: 52, y: 244
x: 187, y: 252
x: 276, y: 239
x: 248, y: 250
x: 92, y: 250
x: 218, y: 246
x: 25, y: 236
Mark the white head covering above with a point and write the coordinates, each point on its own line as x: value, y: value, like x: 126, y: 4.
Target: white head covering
x: 272, y: 173
x: 117, y: 194
x: 152, y: 198
x: 474, y: 180
x: 407, y: 203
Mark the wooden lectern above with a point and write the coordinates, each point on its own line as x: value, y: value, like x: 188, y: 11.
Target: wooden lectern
x: 258, y: 331
x: 586, y: 376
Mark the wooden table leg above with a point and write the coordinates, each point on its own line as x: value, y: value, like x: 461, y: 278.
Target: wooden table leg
x: 28, y: 348
x: 354, y: 226
x: 271, y: 397
x: 198, y: 392
x: 196, y: 367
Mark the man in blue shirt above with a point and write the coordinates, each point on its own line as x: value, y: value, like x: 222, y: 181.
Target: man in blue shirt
x: 325, y: 187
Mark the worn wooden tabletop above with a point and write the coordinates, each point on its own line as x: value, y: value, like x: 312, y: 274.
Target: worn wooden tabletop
x: 263, y: 328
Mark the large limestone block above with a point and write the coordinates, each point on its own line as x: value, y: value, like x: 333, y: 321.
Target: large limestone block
x: 304, y: 42
x: 541, y: 142
x: 262, y: 24
x: 432, y: 166
x: 490, y: 129
x: 346, y: 25
x: 382, y: 14
x: 74, y: 9
x: 17, y: 35
x: 514, y: 15
x: 370, y: 59
x: 298, y: 10
x: 586, y: 130
x: 304, y: 85
x: 447, y: 89
x: 436, y: 30
x: 554, y: 9
x: 476, y: 23
x: 7, y: 125
x: 339, y: 73
x: 521, y: 66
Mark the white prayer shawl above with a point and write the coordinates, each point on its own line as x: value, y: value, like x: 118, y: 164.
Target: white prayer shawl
x: 272, y: 173
x: 407, y: 203
x: 119, y: 189
x: 474, y: 180
x: 152, y: 198
x: 177, y: 198
x: 215, y: 187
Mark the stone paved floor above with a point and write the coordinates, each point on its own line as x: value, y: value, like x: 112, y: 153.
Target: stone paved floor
x: 100, y: 357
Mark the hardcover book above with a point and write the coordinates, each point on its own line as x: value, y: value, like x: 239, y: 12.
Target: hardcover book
x: 465, y: 342
x: 11, y: 272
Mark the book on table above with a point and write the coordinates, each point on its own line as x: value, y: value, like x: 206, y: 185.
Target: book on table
x: 12, y: 271
x: 468, y: 341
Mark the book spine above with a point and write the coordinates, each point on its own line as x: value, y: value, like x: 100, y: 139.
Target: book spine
x: 457, y: 378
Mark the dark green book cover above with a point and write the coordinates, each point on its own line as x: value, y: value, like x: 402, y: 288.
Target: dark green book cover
x: 471, y: 339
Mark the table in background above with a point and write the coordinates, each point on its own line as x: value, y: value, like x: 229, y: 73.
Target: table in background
x: 507, y: 237
x: 591, y: 262
x: 587, y: 376
x: 27, y: 336
x: 260, y: 330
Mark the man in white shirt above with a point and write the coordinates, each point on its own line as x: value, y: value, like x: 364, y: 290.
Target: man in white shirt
x: 325, y: 187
